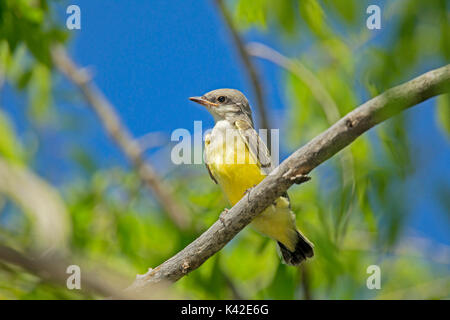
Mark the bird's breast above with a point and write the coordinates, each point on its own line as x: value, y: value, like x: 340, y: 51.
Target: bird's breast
x: 230, y: 162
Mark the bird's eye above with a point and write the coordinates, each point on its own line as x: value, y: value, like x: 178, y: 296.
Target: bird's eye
x: 221, y: 99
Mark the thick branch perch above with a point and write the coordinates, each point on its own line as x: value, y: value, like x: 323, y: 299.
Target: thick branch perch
x: 301, y: 162
x: 122, y: 136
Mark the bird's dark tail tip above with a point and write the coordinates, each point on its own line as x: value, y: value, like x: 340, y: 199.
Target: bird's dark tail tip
x: 303, y: 250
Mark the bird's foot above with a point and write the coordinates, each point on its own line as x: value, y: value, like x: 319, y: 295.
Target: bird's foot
x: 247, y: 191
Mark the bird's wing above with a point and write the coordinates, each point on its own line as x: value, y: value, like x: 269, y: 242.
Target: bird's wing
x: 255, y: 145
x: 207, y: 142
x: 210, y: 173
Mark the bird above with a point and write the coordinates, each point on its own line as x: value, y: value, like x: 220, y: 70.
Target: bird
x: 237, y: 160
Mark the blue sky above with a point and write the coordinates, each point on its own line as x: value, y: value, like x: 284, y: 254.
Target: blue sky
x: 147, y: 59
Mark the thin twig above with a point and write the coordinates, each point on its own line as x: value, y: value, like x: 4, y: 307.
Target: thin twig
x: 306, y: 282
x: 122, y: 136
x: 249, y: 67
x: 301, y: 162
x: 319, y: 92
x: 234, y: 290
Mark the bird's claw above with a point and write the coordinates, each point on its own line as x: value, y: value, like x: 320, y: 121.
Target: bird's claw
x: 247, y: 191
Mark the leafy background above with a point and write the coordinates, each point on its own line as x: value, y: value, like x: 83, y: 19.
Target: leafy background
x: 382, y: 201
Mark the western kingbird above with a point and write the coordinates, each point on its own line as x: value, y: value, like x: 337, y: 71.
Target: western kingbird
x: 237, y: 159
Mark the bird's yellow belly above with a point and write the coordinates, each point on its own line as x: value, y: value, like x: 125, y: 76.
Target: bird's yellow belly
x: 277, y: 221
x: 234, y: 178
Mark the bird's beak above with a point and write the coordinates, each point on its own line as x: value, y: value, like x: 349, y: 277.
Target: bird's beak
x: 203, y: 101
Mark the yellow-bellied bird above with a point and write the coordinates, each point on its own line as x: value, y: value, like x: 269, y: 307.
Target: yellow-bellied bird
x: 237, y: 159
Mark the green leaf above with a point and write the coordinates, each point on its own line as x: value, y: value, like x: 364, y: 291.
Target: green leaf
x: 10, y: 147
x: 251, y: 12
x: 346, y: 9
x: 40, y: 99
x: 314, y: 16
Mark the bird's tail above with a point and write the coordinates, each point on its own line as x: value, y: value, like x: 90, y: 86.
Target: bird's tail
x: 303, y: 250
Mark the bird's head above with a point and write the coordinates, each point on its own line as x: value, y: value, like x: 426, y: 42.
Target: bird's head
x: 226, y: 104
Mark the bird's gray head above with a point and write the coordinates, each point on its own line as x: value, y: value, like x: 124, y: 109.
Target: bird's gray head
x: 226, y: 104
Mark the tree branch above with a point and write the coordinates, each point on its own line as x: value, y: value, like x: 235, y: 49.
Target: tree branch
x: 122, y: 136
x: 301, y: 162
x: 53, y: 269
x: 41, y: 202
x: 306, y: 282
x: 250, y: 68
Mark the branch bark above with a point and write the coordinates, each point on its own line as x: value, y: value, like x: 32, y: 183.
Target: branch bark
x: 301, y: 162
x: 122, y: 136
